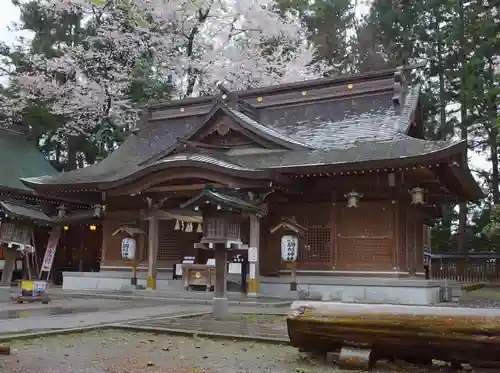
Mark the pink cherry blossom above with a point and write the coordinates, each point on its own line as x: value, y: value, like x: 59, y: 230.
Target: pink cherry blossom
x: 195, y: 43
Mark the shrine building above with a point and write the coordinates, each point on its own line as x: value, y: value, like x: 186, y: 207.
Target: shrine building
x: 344, y: 158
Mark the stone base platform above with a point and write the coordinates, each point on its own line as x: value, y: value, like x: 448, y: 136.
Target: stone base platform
x: 317, y: 287
x: 360, y: 289
x: 115, y: 280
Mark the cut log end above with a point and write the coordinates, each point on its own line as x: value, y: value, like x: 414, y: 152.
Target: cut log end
x: 4, y: 350
x: 353, y: 358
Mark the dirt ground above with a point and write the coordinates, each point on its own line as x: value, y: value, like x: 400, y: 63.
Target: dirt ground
x: 130, y: 352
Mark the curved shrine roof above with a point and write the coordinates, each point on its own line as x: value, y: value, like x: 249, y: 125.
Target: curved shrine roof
x: 325, y: 123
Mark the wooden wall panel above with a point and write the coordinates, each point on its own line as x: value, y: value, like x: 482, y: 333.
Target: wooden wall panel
x: 366, y: 237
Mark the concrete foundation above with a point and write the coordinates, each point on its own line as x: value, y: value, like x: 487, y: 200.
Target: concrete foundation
x: 358, y: 289
x: 4, y: 294
x: 115, y: 280
x: 319, y: 287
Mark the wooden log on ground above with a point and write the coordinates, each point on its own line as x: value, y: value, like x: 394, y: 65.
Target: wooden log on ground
x: 412, y: 333
x: 4, y: 350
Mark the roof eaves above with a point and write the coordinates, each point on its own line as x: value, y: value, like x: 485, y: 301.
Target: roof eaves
x: 451, y: 148
x: 223, y: 199
x: 25, y: 212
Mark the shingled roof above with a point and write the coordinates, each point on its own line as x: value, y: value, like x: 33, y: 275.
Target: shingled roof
x: 19, y: 158
x: 350, y: 121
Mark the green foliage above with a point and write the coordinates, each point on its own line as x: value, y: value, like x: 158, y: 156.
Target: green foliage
x: 50, y: 34
x: 492, y: 229
x: 328, y: 22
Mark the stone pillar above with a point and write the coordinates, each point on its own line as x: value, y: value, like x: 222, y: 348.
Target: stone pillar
x: 152, y: 252
x: 253, y: 281
x: 220, y: 302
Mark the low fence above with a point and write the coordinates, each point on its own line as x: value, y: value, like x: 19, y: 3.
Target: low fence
x: 466, y: 268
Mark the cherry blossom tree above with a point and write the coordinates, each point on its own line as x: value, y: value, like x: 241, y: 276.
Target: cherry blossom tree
x: 191, y: 43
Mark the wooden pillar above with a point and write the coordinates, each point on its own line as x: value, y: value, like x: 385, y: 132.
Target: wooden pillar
x: 396, y: 224
x: 220, y: 271
x: 253, y: 282
x: 152, y: 252
x: 220, y: 305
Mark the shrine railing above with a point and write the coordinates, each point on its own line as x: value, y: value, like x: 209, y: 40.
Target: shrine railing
x: 466, y: 268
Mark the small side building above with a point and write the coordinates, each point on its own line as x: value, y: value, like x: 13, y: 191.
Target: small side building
x: 345, y: 158
x: 27, y: 217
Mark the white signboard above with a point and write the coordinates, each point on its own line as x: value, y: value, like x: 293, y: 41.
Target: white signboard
x: 234, y: 268
x: 128, y: 248
x: 178, y: 270
x: 289, y: 248
x: 50, y: 251
x: 252, y: 271
x: 253, y: 255
x: 211, y: 262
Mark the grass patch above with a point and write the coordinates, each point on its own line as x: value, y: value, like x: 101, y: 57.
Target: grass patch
x: 485, y: 293
x: 472, y: 287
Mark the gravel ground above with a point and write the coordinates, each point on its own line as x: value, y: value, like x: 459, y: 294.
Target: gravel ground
x: 126, y: 352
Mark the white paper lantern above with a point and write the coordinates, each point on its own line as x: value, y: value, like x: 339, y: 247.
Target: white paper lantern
x: 128, y: 248
x: 289, y: 248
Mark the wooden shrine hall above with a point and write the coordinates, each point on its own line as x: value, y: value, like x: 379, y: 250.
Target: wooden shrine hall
x: 345, y: 158
x: 27, y: 219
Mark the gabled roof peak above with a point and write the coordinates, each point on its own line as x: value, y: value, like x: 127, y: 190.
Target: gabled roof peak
x: 242, y: 120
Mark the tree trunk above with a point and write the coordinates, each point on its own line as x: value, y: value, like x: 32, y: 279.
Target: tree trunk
x: 494, y: 166
x: 493, y: 140
x: 71, y: 162
x: 462, y: 216
x: 462, y: 228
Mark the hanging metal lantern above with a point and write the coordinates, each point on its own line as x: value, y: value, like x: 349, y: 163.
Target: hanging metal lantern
x: 98, y: 211
x: 289, y: 248
x: 353, y: 199
x: 417, y: 196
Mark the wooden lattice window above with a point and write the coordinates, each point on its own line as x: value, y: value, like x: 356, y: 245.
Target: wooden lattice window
x: 317, y: 245
x: 169, y: 242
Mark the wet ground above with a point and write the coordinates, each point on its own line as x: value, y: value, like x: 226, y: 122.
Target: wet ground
x: 268, y: 326
x: 127, y: 352
x: 67, y: 307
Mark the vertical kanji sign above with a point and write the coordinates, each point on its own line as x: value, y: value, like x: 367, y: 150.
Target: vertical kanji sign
x: 50, y: 251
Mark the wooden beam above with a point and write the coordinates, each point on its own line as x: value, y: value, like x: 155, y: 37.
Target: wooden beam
x: 175, y: 188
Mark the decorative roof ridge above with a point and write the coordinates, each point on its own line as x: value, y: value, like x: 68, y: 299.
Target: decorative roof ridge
x: 313, y: 83
x: 403, y: 118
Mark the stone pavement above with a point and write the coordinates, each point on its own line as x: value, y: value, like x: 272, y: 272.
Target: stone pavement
x: 86, y: 319
x: 243, y: 328
x: 68, y: 313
